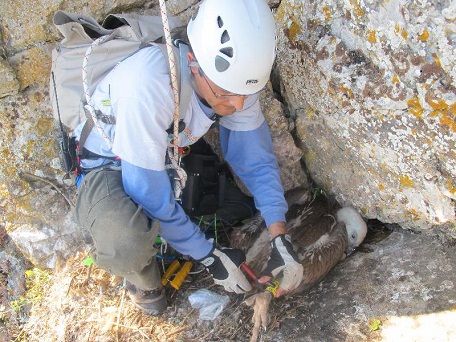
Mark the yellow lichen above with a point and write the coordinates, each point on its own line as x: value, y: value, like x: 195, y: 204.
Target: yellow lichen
x: 397, y: 29
x: 400, y: 31
x: 414, y: 214
x: 404, y: 33
x: 450, y: 186
x: 424, y: 36
x: 33, y: 68
x: 415, y: 107
x: 395, y: 79
x: 347, y: 92
x: 327, y: 12
x: 310, y: 113
x: 294, y: 31
x: 357, y: 10
x: 44, y: 126
x: 406, y: 181
x: 436, y: 60
x: 372, y: 36
x: 381, y: 187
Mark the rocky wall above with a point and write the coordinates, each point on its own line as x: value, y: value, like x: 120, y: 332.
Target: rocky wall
x: 371, y: 87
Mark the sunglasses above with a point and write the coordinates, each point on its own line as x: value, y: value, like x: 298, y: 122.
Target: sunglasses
x: 203, y: 75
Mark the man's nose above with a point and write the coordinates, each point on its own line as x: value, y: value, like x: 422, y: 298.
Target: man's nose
x: 238, y: 101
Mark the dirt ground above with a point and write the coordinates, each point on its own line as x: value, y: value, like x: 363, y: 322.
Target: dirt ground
x: 398, y: 287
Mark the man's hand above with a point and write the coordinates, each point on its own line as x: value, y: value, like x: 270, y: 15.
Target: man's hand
x: 283, y: 258
x: 223, y: 265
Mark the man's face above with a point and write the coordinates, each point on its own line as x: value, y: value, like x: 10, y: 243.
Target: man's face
x: 220, y: 100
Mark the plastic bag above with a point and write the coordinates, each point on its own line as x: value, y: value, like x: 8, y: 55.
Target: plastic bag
x: 211, y: 304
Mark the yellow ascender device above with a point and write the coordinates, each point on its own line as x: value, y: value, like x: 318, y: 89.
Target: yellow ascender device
x: 179, y: 277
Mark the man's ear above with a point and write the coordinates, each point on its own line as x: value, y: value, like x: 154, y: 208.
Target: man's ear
x: 191, y: 58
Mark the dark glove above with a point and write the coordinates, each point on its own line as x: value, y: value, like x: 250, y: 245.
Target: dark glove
x: 283, y: 258
x: 223, y: 265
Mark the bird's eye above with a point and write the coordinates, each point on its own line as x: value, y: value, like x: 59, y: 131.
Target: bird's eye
x: 353, y: 236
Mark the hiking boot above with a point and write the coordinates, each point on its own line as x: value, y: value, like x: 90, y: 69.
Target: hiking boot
x: 152, y: 302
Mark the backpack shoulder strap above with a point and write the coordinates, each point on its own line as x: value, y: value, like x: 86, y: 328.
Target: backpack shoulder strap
x: 183, y: 74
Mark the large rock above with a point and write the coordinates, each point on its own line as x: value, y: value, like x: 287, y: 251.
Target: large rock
x: 8, y: 80
x: 372, y: 87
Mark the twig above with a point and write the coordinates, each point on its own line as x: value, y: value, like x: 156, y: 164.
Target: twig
x: 86, y: 281
x: 32, y: 178
x: 119, y: 312
x: 134, y: 329
x: 189, y: 313
x: 178, y: 330
x: 69, y: 285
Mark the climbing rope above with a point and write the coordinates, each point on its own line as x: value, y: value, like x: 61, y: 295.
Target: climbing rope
x: 173, y: 71
x: 180, y: 177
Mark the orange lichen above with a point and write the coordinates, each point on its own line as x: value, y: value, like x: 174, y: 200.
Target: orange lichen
x: 381, y: 186
x: 452, y: 109
x: 445, y: 111
x: 445, y: 120
x: 395, y: 79
x: 327, y: 12
x: 406, y: 181
x: 424, y: 36
x: 372, y: 36
x: 415, y: 107
x: 437, y: 104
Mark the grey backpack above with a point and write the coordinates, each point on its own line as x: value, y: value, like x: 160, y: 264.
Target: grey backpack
x: 124, y: 34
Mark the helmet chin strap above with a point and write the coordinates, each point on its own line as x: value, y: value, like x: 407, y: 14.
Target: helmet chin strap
x: 197, y: 92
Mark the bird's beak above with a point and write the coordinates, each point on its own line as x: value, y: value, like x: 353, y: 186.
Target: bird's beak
x: 349, y: 251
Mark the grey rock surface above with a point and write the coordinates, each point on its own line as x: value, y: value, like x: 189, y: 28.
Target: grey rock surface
x: 402, y: 289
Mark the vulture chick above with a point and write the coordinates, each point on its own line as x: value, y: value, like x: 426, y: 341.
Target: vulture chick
x: 322, y: 235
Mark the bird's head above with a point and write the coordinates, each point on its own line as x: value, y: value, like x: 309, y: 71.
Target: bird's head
x: 355, y: 225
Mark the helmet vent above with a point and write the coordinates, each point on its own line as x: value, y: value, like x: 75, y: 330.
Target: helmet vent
x: 221, y: 64
x: 219, y: 22
x: 225, y: 37
x: 228, y: 51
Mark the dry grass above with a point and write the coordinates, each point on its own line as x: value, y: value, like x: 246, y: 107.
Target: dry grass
x: 84, y: 303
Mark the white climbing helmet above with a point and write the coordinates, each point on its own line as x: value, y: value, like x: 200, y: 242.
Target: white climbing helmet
x: 234, y: 43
